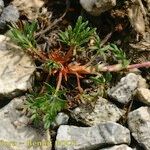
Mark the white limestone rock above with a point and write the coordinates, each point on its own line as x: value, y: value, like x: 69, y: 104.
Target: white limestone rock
x: 16, y: 134
x: 142, y: 82
x: 125, y: 89
x: 88, y: 138
x: 139, y: 125
x: 143, y: 95
x: 102, y: 111
x: 61, y: 119
x: 16, y: 70
x: 96, y: 7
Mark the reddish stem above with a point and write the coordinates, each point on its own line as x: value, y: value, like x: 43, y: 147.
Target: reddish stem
x: 119, y: 67
x: 78, y: 82
x: 59, y: 82
x: 144, y: 64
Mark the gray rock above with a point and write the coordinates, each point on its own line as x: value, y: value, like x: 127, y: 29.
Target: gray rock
x: 103, y: 111
x: 89, y: 138
x: 61, y: 119
x: 9, y: 14
x: 1, y: 6
x: 139, y: 125
x: 143, y: 95
x: 96, y: 7
x: 142, y: 82
x: 124, y: 90
x: 118, y: 147
x: 16, y: 134
x: 16, y: 70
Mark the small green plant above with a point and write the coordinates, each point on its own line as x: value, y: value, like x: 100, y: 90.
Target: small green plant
x: 89, y: 97
x: 24, y: 37
x: 119, y: 55
x: 98, y: 48
x: 44, y: 107
x: 101, y: 50
x: 77, y: 36
x: 50, y: 65
x: 61, y: 63
x: 102, y: 79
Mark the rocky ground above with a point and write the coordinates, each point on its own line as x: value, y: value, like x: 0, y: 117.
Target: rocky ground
x: 118, y: 120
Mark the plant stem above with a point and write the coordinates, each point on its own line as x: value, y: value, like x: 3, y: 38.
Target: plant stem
x: 144, y: 64
x: 59, y: 82
x: 46, y: 81
x: 119, y: 67
x: 108, y: 36
x: 39, y: 54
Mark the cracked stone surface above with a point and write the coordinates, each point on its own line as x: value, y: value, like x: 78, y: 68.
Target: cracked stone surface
x: 139, y: 125
x: 96, y: 7
x: 102, y: 111
x: 88, y: 138
x: 15, y: 131
x: 125, y: 89
x: 16, y: 70
x: 61, y: 119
